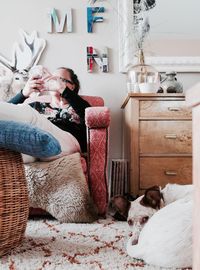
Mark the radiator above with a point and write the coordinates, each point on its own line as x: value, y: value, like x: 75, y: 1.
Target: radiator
x: 119, y: 180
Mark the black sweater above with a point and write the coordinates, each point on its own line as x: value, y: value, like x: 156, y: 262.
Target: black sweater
x: 71, y: 119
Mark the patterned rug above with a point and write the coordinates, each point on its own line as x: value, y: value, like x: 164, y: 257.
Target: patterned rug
x: 54, y: 246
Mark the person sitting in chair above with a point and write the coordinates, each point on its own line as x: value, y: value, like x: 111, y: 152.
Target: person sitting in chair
x: 65, y: 108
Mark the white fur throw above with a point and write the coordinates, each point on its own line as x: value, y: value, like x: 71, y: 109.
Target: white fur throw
x: 60, y: 188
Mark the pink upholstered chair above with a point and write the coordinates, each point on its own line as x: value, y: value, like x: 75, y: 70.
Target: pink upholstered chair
x: 94, y: 163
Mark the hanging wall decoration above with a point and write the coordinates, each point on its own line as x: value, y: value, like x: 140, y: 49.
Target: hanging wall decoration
x: 60, y: 24
x: 93, y: 19
x: 101, y: 61
x: 24, y: 56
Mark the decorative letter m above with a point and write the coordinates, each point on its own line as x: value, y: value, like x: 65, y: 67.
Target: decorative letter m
x: 59, y: 24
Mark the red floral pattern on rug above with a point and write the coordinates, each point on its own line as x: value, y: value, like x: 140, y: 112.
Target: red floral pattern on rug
x: 54, y: 246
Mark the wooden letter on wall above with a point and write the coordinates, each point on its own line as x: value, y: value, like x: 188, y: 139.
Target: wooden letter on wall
x: 59, y: 24
x: 101, y: 61
x: 91, y: 19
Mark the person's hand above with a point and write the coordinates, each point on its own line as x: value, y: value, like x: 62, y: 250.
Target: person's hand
x: 33, y: 85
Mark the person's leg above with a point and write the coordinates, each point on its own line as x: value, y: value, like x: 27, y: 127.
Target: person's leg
x: 68, y: 142
x: 26, y: 114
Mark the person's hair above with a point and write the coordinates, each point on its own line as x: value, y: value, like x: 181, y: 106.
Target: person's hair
x: 74, y: 79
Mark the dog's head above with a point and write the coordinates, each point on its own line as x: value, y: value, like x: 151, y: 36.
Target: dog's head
x: 138, y: 212
x: 141, y: 209
x: 145, y: 206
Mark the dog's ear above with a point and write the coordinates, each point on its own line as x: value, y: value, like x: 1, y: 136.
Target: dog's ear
x: 121, y: 205
x: 152, y: 197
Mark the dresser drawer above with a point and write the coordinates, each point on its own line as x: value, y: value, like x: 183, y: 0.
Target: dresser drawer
x: 163, y: 170
x: 165, y: 137
x: 164, y: 109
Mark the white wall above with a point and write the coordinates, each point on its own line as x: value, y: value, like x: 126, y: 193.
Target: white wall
x: 69, y: 49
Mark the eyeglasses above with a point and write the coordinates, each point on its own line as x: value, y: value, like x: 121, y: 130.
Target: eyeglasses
x: 66, y: 81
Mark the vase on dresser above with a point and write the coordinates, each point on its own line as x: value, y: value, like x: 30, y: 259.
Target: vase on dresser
x: 142, y: 78
x: 157, y: 140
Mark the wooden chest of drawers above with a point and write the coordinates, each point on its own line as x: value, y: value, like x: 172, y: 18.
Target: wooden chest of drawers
x: 157, y: 139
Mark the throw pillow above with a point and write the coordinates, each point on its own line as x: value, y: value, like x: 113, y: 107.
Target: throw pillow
x: 60, y: 188
x: 27, y: 139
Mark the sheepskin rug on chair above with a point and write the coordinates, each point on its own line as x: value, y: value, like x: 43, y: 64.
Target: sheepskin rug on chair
x: 50, y: 245
x: 60, y: 188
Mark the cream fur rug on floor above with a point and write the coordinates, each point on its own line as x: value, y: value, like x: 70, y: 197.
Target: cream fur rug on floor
x: 51, y: 245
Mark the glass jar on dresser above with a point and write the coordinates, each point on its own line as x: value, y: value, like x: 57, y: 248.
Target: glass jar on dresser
x: 157, y: 140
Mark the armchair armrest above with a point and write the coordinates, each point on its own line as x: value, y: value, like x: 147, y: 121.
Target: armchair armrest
x: 97, y: 117
x: 97, y: 121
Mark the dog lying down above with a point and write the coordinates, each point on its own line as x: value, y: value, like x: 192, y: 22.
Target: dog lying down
x: 166, y: 239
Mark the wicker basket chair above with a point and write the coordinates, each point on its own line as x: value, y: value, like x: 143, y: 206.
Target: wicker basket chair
x: 13, y: 200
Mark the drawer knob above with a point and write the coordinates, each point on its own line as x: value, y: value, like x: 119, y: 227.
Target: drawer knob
x: 174, y: 109
x: 171, y: 173
x: 170, y: 136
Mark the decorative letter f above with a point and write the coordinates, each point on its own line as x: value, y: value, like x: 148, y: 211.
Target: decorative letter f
x: 91, y: 19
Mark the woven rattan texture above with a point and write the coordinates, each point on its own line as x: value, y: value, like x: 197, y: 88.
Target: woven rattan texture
x: 13, y: 200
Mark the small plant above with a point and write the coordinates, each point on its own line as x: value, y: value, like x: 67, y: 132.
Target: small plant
x: 141, y: 25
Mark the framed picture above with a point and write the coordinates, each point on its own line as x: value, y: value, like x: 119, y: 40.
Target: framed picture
x: 173, y: 42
